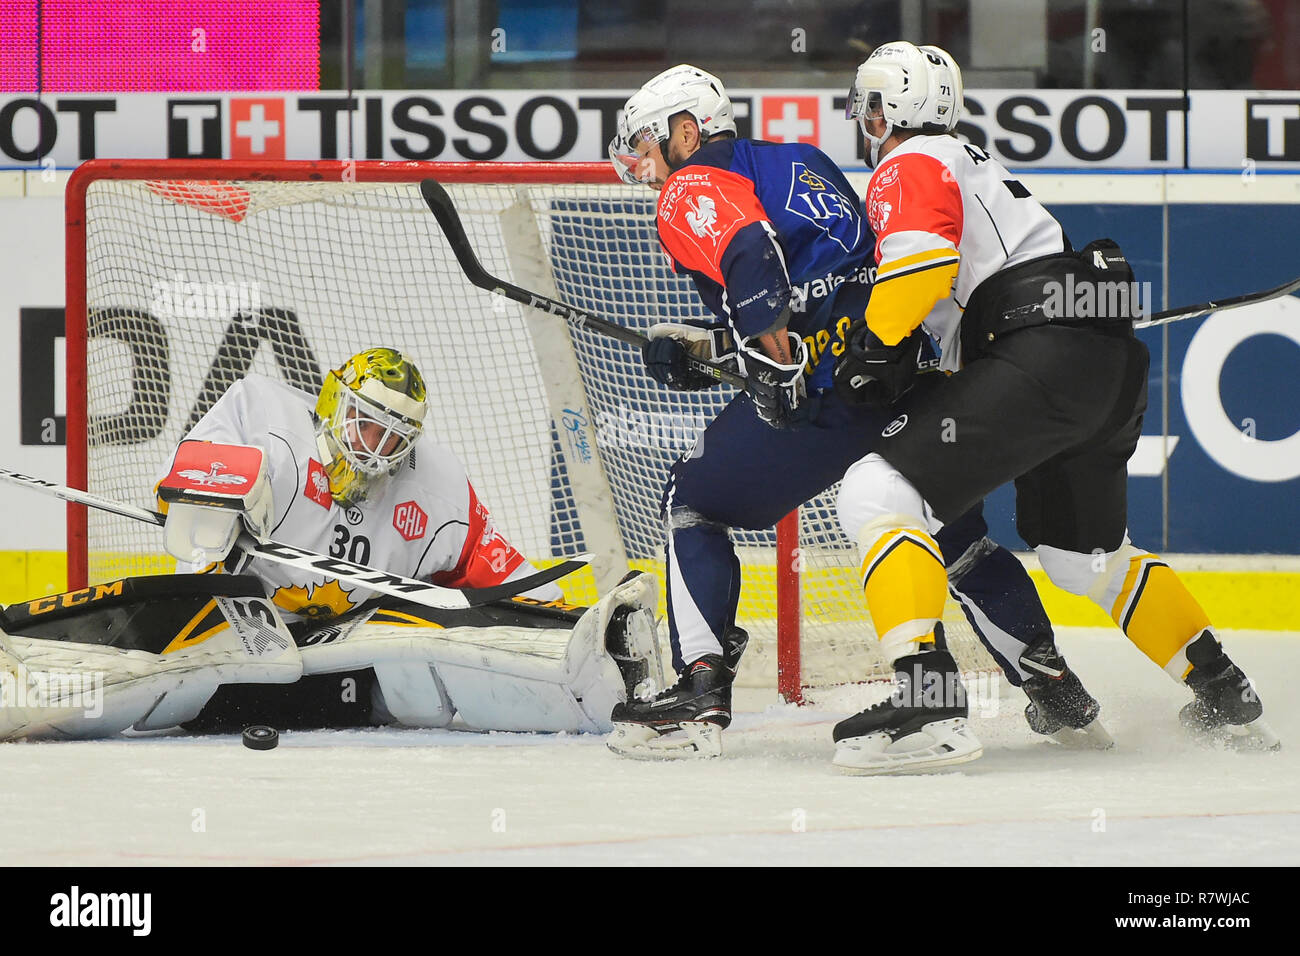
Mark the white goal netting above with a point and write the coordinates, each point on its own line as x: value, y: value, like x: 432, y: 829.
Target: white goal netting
x: 190, y: 285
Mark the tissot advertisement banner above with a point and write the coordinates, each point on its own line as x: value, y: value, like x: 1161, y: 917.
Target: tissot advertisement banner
x: 1077, y: 129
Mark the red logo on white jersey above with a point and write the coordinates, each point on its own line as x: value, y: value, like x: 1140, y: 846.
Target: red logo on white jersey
x: 318, y: 484
x: 885, y: 197
x: 791, y: 119
x: 410, y: 520
x: 257, y: 128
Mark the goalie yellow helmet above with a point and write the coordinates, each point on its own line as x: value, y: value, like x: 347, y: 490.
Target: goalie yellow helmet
x: 369, y: 415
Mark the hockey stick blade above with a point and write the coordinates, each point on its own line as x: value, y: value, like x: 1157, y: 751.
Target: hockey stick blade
x: 444, y: 210
x: 1192, y: 311
x: 312, y: 562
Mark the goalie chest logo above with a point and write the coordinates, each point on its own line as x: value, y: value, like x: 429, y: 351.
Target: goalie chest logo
x: 317, y: 487
x: 410, y: 520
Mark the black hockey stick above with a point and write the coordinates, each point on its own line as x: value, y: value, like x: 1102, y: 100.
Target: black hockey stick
x: 1192, y: 311
x: 420, y: 592
x: 444, y: 210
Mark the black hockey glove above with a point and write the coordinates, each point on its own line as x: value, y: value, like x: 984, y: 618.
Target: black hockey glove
x: 777, y: 390
x: 670, y: 346
x: 874, y: 374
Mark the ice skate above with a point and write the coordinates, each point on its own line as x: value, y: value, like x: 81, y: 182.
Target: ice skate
x: 923, y: 726
x: 1225, y: 711
x: 1059, y: 705
x: 687, y: 719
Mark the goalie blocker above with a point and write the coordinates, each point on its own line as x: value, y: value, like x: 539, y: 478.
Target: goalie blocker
x: 207, y: 493
x: 199, y: 651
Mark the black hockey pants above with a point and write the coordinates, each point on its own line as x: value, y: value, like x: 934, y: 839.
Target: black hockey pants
x: 1058, y: 409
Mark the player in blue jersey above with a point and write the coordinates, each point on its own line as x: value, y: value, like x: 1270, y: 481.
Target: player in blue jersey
x: 752, y: 222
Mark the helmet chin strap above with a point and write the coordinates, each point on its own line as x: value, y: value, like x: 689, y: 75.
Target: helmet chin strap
x: 877, y: 141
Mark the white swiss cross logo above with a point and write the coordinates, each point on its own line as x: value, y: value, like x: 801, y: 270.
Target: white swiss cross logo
x: 410, y: 520
x: 791, y: 119
x: 257, y: 128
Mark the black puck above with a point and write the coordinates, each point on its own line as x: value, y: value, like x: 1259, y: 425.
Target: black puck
x: 261, y: 737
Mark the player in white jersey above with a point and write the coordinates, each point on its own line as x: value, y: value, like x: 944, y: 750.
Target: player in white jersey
x: 1046, y: 391
x: 353, y: 476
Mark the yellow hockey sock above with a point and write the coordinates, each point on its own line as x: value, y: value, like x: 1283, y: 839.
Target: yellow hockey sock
x: 1158, y: 613
x: 905, y: 584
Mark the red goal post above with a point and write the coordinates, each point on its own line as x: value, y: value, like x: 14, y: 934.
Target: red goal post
x: 572, y: 227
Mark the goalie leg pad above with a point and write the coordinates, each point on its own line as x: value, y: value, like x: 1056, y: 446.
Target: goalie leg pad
x: 496, y: 678
x: 632, y: 640
x: 56, y: 689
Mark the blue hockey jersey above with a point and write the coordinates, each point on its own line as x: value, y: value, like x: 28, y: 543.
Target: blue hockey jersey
x: 762, y: 226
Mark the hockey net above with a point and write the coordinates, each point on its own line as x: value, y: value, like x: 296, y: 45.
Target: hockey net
x: 185, y: 275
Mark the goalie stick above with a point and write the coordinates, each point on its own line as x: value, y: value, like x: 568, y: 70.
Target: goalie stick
x: 1192, y: 311
x: 420, y: 592
x: 444, y: 210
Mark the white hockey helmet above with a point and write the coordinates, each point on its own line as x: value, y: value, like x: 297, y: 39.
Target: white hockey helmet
x: 682, y: 89
x: 910, y: 87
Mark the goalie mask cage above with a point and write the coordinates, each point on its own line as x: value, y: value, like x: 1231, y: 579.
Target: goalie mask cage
x: 185, y: 275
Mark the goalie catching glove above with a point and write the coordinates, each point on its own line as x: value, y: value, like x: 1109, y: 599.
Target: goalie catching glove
x: 671, y: 346
x: 877, y: 375
x: 778, y: 390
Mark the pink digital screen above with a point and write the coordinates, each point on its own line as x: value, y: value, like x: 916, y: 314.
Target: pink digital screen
x: 116, y: 46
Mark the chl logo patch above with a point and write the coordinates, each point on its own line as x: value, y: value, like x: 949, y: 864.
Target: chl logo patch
x: 317, y: 488
x: 410, y: 520
x: 894, y: 427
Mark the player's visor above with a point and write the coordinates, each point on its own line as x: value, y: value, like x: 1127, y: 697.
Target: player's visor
x: 627, y: 153
x: 863, y: 104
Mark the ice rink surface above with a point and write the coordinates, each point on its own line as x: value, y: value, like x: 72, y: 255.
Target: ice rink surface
x: 389, y: 797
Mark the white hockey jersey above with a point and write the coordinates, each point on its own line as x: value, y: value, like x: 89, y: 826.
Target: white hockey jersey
x: 946, y: 217
x: 424, y: 522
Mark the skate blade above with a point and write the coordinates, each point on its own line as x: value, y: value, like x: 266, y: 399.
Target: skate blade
x: 1092, y: 737
x: 936, y: 746
x: 1254, y: 737
x: 698, y: 740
